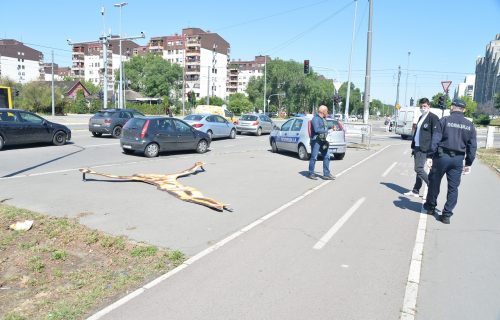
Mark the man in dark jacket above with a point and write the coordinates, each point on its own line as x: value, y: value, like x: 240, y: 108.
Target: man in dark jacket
x: 454, y: 143
x: 427, y: 125
x: 319, y: 144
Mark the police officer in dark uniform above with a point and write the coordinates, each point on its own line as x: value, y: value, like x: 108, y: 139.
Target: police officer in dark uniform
x: 454, y: 142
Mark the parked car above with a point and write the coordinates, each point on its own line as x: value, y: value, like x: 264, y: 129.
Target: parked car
x: 214, y: 125
x: 295, y: 136
x: 111, y: 121
x: 23, y: 127
x: 353, y: 118
x: 152, y: 135
x: 256, y: 123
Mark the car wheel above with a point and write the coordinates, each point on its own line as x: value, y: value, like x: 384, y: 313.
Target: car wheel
x: 117, y: 132
x: 152, y: 150
x: 303, y: 155
x: 202, y: 146
x: 128, y: 151
x: 274, y: 147
x: 1, y: 143
x: 96, y: 134
x: 338, y: 156
x: 59, y: 138
x: 232, y: 135
x: 210, y: 134
x: 259, y: 131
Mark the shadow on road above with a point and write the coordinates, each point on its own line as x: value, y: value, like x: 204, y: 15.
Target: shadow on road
x: 404, y: 202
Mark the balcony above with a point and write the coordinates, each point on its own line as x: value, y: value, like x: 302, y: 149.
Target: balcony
x: 192, y: 69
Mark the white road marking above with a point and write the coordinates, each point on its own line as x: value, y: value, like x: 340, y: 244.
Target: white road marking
x: 336, y: 227
x: 386, y: 172
x: 99, y: 145
x: 360, y: 162
x: 219, y: 244
x: 408, y: 311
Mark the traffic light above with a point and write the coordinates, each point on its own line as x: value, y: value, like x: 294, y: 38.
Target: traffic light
x: 16, y: 91
x: 336, y: 99
x: 306, y: 66
x: 442, y: 102
x: 411, y: 102
x: 101, y: 94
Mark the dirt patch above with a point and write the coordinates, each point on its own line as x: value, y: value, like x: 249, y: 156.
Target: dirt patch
x: 60, y: 269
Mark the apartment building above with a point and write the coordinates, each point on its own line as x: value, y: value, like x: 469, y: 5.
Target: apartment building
x: 59, y: 72
x: 20, y: 62
x: 203, y: 55
x: 88, y: 62
x: 240, y: 73
x: 487, y: 82
x: 466, y: 88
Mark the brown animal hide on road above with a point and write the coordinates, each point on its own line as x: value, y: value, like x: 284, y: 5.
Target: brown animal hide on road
x: 168, y: 182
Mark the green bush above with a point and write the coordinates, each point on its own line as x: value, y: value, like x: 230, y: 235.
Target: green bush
x: 482, y: 120
x: 495, y: 122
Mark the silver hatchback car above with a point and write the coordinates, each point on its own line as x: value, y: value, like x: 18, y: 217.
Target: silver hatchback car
x: 255, y: 123
x: 295, y: 136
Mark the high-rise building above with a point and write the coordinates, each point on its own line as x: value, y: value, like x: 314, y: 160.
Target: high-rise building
x: 466, y: 88
x: 88, y: 63
x: 240, y: 73
x: 488, y: 73
x: 203, y: 55
x: 19, y: 62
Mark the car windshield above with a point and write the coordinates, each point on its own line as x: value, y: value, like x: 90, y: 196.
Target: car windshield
x: 194, y: 117
x: 248, y: 117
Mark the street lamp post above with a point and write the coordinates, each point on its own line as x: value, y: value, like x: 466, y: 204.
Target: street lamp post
x: 407, y: 73
x: 120, y: 89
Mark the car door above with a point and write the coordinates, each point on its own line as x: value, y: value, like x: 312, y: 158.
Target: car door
x: 11, y: 127
x: 266, y: 123
x: 165, y: 134
x: 223, y: 128
x: 282, y: 138
x: 35, y: 128
x: 185, y: 135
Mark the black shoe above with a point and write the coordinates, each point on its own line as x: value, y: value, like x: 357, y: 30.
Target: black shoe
x: 444, y: 219
x: 312, y: 176
x: 329, y: 177
x: 430, y: 210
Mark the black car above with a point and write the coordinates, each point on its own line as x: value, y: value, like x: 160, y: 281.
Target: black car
x: 111, y: 121
x: 23, y: 127
x: 152, y: 135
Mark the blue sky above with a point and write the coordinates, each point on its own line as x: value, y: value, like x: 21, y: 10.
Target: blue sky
x: 445, y: 37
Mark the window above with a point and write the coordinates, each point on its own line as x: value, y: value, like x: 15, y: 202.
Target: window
x: 31, y: 118
x: 286, y: 126
x: 297, y: 125
x: 182, y: 127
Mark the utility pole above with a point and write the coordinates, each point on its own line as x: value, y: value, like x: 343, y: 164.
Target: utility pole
x: 407, y: 73
x: 265, y: 81
x: 208, y: 85
x: 346, y: 113
x: 399, y: 81
x: 53, y: 93
x: 368, y: 70
x: 184, y: 75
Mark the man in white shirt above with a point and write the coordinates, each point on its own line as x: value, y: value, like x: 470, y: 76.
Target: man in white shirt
x: 427, y: 125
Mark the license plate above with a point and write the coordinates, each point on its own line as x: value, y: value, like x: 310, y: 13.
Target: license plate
x: 96, y: 125
x: 126, y: 146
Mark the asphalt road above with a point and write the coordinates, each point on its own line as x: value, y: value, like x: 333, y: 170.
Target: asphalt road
x: 293, y: 248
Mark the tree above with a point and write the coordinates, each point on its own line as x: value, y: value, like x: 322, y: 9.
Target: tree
x: 496, y: 101
x: 376, y: 106
x: 470, y: 105
x: 153, y: 76
x: 239, y: 103
x: 213, y: 101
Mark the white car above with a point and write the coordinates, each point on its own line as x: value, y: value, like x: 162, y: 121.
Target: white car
x: 353, y: 118
x: 294, y: 136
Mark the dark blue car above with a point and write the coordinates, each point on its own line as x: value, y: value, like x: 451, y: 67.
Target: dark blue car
x: 22, y: 127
